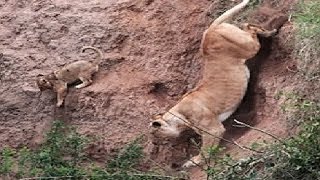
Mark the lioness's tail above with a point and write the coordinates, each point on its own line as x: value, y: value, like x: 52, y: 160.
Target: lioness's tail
x: 99, y: 57
x: 230, y: 13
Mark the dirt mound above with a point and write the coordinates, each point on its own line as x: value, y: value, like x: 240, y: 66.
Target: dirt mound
x: 152, y: 58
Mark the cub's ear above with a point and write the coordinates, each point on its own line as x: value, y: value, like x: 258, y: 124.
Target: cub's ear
x: 157, y: 116
x: 51, y: 76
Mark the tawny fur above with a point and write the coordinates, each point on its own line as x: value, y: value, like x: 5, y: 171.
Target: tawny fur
x: 225, y: 48
x: 70, y: 73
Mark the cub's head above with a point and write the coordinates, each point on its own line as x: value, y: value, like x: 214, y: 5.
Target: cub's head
x: 43, y: 81
x: 166, y: 127
x: 258, y: 30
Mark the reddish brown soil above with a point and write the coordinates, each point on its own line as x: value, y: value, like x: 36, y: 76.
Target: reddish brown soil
x: 151, y: 60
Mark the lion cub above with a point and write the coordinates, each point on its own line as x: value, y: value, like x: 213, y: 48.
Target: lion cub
x: 70, y: 73
x: 225, y: 48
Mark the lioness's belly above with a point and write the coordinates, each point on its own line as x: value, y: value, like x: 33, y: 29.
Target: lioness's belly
x: 223, y: 116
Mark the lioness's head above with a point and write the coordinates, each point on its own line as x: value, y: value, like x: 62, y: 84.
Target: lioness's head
x: 166, y: 127
x: 43, y: 81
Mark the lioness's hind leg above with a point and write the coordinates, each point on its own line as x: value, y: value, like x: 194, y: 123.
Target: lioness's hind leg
x: 85, y: 81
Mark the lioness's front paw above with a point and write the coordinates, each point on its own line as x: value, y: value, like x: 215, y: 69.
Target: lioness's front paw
x: 188, y: 164
x: 59, y: 103
x: 196, y: 160
x: 79, y: 86
x: 274, y: 32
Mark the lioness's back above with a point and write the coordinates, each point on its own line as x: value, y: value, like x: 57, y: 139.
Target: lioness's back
x: 220, y: 91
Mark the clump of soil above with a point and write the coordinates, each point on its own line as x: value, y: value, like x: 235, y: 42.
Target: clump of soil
x: 151, y: 58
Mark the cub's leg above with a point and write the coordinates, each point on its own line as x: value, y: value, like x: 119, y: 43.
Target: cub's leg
x: 86, y: 81
x: 209, y: 139
x: 61, y: 89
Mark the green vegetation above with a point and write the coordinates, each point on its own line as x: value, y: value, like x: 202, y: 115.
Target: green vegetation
x: 63, y: 156
x: 307, y: 45
x: 7, y: 161
x: 307, y: 19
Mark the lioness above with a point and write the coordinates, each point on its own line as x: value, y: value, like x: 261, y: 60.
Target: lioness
x: 225, y: 48
x: 70, y: 73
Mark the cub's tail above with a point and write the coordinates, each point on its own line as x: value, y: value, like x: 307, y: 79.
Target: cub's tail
x: 99, y: 53
x: 230, y: 13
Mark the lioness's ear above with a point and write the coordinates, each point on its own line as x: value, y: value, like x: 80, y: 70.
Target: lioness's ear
x: 1, y: 55
x: 40, y: 75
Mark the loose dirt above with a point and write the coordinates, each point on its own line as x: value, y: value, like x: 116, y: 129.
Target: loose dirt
x: 151, y: 58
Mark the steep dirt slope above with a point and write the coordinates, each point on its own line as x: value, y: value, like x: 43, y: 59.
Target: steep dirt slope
x: 151, y: 60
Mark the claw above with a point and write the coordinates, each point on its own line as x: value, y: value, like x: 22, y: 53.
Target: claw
x: 194, y: 161
x: 188, y: 164
x: 59, y: 103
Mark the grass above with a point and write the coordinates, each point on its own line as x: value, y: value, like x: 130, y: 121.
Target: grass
x: 7, y: 160
x: 307, y: 46
x: 63, y: 156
